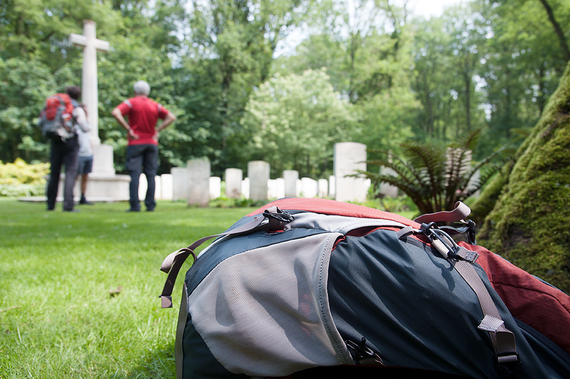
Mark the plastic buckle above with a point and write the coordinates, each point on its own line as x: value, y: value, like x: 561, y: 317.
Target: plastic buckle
x: 507, y: 358
x: 278, y: 214
x: 441, y: 240
x: 362, y: 353
x: 509, y: 365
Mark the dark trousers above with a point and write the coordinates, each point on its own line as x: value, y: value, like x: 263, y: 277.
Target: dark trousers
x: 62, y: 153
x: 142, y: 159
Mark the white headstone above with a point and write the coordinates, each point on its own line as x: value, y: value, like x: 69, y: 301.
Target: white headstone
x: 143, y: 185
x: 179, y: 183
x: 309, y: 187
x: 245, y: 188
x: 349, y: 157
x: 385, y: 188
x: 280, y: 190
x: 166, y: 180
x: 103, y: 160
x: 332, y: 188
x: 233, y: 177
x: 258, y: 174
x: 271, y: 189
x: 323, y: 187
x: 299, y: 187
x: 290, y: 177
x: 215, y: 187
x: 198, y: 182
x: 157, y: 187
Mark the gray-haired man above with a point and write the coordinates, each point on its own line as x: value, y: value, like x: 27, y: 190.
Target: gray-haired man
x: 142, y: 149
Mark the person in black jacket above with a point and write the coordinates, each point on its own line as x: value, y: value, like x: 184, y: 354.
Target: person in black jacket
x: 64, y: 151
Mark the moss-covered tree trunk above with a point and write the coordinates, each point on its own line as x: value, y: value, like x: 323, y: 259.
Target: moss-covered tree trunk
x: 530, y: 223
x: 490, y: 194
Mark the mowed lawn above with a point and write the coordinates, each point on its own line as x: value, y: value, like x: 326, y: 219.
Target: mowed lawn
x: 79, y: 291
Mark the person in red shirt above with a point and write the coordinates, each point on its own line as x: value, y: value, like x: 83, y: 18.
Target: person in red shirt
x: 142, y: 149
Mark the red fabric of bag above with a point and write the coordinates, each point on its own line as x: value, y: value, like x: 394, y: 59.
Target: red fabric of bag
x: 332, y: 207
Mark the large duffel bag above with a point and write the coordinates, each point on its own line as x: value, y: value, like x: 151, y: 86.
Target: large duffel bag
x: 318, y: 288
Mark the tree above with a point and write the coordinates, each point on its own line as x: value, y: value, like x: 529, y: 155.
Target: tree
x: 364, y: 47
x: 24, y: 86
x: 557, y: 29
x: 447, y: 53
x: 552, y: 9
x: 294, y: 122
x: 467, y: 30
x: 522, y: 64
x: 229, y: 53
x: 430, y: 81
x: 529, y: 223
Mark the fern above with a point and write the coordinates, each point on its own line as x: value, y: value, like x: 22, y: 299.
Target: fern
x: 435, y: 177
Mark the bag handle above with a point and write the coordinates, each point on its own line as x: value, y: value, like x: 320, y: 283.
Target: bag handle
x: 460, y: 212
x: 273, y: 218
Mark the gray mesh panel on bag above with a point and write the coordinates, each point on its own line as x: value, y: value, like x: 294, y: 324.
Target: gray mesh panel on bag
x: 252, y: 326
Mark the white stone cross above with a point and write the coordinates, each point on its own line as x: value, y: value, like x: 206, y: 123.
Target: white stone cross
x: 89, y: 97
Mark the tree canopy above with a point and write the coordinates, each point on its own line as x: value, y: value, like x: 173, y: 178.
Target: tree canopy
x: 363, y: 71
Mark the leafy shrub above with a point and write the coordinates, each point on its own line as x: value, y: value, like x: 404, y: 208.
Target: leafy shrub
x: 20, y: 172
x: 22, y: 179
x: 226, y: 202
x: 9, y: 190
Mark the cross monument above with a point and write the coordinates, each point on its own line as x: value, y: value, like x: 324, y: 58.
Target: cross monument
x: 104, y: 184
x: 89, y: 97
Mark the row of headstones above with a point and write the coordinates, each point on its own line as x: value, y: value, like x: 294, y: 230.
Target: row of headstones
x: 174, y: 186
x: 194, y: 183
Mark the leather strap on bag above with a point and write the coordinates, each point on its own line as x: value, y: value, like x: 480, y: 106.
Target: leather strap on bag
x: 502, y: 339
x: 272, y: 219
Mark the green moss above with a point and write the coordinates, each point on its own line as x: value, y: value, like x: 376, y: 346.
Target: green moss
x: 529, y: 224
x: 488, y: 198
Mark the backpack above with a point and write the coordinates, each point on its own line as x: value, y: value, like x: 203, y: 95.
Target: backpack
x: 56, y: 119
x: 314, y: 288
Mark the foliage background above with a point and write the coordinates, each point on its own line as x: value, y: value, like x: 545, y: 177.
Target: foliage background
x: 385, y: 75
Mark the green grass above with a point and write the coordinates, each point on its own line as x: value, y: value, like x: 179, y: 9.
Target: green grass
x: 59, y: 272
x: 58, y: 318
